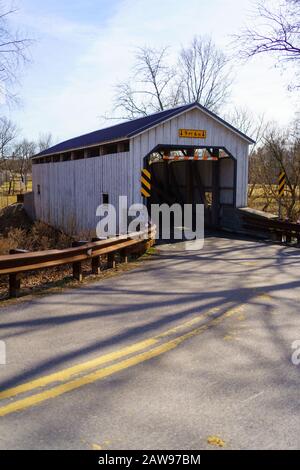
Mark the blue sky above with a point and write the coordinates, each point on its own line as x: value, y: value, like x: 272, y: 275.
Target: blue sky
x: 82, y: 47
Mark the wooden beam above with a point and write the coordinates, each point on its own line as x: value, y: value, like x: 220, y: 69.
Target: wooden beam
x: 97, y: 261
x: 77, y: 266
x: 199, y: 183
x: 190, y: 183
x: 174, y: 183
x: 215, y: 189
x: 43, y: 259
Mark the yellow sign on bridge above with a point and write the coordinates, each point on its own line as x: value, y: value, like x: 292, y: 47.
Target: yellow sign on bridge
x: 192, y: 133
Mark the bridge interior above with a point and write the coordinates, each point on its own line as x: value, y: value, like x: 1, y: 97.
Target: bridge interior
x: 193, y: 175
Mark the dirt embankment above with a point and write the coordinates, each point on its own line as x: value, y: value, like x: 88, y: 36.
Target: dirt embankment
x: 14, y: 217
x: 18, y: 231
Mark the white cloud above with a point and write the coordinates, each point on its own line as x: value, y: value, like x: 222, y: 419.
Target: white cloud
x: 103, y: 54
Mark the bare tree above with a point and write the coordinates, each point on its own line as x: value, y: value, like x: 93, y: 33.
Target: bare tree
x: 200, y: 74
x: 22, y: 154
x: 284, y: 153
x: 275, y: 30
x: 8, y: 132
x: 242, y: 118
x: 204, y: 74
x: 279, y: 152
x: 12, y: 51
x: 45, y: 141
x: 255, y: 126
x: 151, y: 88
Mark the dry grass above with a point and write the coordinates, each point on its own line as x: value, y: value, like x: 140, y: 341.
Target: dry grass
x: 34, y: 237
x: 18, y: 187
x: 39, y: 237
x: 259, y: 201
x: 7, y: 199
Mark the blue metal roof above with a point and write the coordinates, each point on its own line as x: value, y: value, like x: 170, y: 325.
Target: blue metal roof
x: 128, y: 129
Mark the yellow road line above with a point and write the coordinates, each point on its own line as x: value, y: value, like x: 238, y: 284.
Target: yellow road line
x: 97, y: 375
x: 66, y: 374
x: 191, y: 322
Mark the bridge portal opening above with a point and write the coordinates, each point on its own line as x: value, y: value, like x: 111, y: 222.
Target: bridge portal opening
x: 193, y: 175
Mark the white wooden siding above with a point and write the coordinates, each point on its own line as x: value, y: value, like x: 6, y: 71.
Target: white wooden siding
x: 217, y: 135
x: 71, y: 191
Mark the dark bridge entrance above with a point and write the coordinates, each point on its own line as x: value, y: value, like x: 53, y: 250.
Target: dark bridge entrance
x: 193, y: 175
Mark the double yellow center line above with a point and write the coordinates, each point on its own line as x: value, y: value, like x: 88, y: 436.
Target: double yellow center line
x: 71, y: 382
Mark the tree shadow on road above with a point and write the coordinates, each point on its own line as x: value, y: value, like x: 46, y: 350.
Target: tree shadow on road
x: 172, y: 288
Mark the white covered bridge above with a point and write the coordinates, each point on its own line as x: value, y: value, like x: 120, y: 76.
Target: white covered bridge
x: 193, y: 155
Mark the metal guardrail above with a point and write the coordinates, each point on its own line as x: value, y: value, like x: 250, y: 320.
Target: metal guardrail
x: 21, y: 261
x: 278, y: 230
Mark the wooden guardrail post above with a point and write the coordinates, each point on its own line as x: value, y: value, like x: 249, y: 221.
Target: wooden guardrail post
x: 278, y: 230
x: 143, y: 246
x: 77, y: 271
x: 15, y: 278
x: 77, y: 266
x: 96, y: 261
x: 81, y: 251
x: 124, y: 255
x: 136, y: 250
x: 111, y: 260
x: 14, y: 285
x: 96, y: 265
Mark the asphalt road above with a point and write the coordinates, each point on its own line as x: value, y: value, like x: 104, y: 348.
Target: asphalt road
x: 189, y: 350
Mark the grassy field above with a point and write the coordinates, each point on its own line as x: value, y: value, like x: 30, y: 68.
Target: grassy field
x: 8, y: 199
x: 268, y: 202
x: 18, y: 187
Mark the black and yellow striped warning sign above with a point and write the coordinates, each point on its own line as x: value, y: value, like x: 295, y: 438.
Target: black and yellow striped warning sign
x: 146, y: 183
x: 281, y: 183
